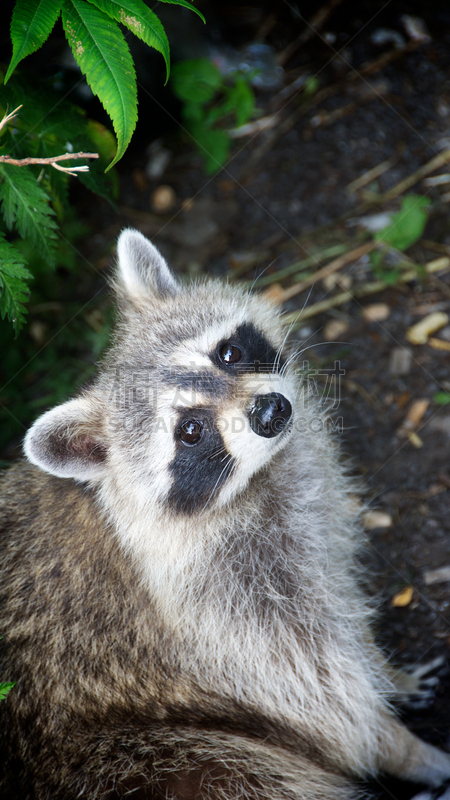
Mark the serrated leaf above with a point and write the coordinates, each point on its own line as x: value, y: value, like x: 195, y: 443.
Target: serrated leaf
x: 214, y: 144
x: 196, y: 80
x: 26, y: 206
x: 442, y: 398
x: 185, y: 4
x: 141, y: 21
x: 407, y: 225
x: 5, y: 687
x: 13, y: 285
x: 101, y: 51
x: 31, y: 24
x: 242, y: 101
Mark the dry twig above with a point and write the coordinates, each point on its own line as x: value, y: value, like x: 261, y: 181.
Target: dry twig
x: 425, y: 169
x: 333, y: 266
x: 8, y: 117
x: 52, y: 161
x: 370, y: 175
x: 296, y: 318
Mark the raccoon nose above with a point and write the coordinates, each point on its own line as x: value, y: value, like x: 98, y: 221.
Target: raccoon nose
x: 270, y: 414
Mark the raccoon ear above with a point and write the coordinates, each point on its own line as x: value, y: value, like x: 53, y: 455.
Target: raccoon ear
x: 142, y: 268
x: 66, y: 442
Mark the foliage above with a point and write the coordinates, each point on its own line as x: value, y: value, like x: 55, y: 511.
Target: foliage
x: 5, y: 687
x: 66, y: 335
x: 405, y: 228
x: 98, y: 46
x: 209, y: 100
x: 442, y: 398
x: 34, y: 199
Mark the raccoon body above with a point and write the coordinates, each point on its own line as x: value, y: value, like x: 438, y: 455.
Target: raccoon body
x: 180, y: 605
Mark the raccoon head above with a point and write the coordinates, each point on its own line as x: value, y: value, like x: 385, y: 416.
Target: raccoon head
x: 193, y: 400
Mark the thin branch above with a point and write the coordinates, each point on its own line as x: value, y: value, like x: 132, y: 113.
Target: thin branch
x: 23, y: 162
x: 296, y: 318
x: 52, y: 161
x: 8, y: 117
x: 333, y: 266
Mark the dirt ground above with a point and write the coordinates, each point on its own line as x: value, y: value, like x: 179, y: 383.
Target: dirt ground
x: 285, y: 194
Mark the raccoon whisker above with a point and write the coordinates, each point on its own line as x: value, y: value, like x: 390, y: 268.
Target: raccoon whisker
x: 225, y: 471
x: 301, y: 310
x: 218, y: 452
x: 281, y: 349
x: 259, y: 274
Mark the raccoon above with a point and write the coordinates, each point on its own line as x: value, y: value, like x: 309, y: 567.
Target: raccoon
x: 180, y: 606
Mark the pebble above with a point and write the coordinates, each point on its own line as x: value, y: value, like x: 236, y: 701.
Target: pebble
x: 437, y: 575
x: 377, y: 312
x: 441, y: 424
x: 377, y: 519
x: 163, y: 199
x: 400, y: 361
x: 334, y: 329
x: 419, y: 333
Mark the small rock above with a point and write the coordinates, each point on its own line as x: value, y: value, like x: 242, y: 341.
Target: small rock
x: 377, y: 519
x: 376, y: 312
x: 400, y: 361
x: 419, y: 333
x: 158, y: 160
x: 334, y: 329
x: 330, y: 282
x: 403, y: 598
x: 375, y: 222
x: 437, y: 575
x: 416, y: 28
x: 163, y: 199
x: 38, y: 331
x: 441, y: 424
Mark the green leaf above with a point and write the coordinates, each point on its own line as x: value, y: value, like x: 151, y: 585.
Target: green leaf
x: 31, y: 24
x: 5, y: 688
x: 214, y: 144
x: 196, y: 80
x: 141, y: 21
x: 242, y: 101
x: 185, y: 4
x: 239, y: 102
x: 102, y: 53
x: 442, y: 398
x: 13, y: 285
x: 102, y: 141
x: 407, y: 225
x: 49, y: 126
x: 26, y: 206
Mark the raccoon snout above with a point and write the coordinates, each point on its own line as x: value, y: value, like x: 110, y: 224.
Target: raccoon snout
x: 270, y: 414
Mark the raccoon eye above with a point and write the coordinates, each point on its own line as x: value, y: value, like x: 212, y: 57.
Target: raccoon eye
x: 190, y: 431
x: 229, y: 353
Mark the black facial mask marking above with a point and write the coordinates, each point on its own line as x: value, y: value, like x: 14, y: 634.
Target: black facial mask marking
x: 198, y: 470
x: 256, y: 352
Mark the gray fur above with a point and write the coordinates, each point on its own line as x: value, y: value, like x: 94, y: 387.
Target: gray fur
x: 212, y: 646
